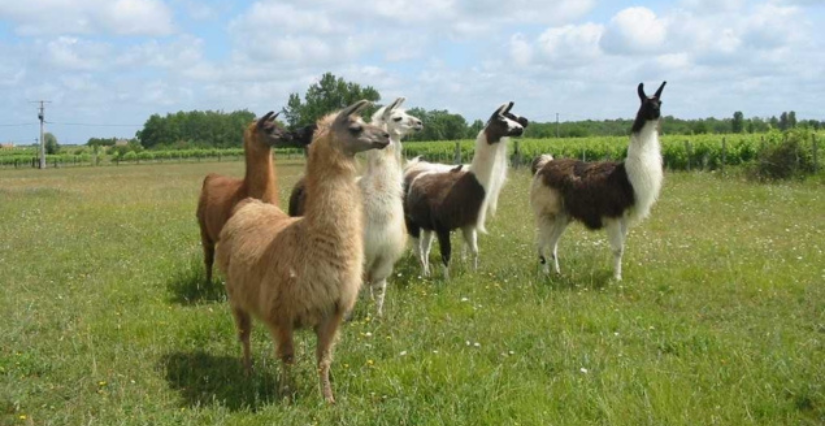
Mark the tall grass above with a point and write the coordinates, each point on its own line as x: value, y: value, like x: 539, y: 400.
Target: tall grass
x: 720, y: 320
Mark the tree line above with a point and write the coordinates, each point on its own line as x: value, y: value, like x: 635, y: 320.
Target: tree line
x: 204, y: 129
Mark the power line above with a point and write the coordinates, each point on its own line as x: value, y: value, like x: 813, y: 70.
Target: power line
x: 17, y: 124
x: 94, y: 124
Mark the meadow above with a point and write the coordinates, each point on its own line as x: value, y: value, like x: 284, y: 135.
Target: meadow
x: 720, y: 318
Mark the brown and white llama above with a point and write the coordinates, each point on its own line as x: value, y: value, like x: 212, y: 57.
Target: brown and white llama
x: 303, y: 272
x: 219, y: 194
x: 609, y: 194
x: 385, y: 235
x: 438, y: 201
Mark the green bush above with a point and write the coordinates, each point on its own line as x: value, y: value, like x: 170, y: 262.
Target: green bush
x: 789, y: 158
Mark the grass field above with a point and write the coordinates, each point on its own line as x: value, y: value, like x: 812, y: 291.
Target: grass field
x: 720, y: 320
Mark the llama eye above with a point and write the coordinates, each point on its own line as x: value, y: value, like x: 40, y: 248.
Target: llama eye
x: 396, y: 119
x: 355, y: 128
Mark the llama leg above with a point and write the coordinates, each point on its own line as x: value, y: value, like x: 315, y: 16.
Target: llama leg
x: 208, y: 255
x: 326, y: 332
x: 244, y: 323
x: 286, y: 352
x: 559, y: 225
x: 414, y: 232
x: 545, y: 229
x: 616, y: 237
x: 446, y: 251
x: 471, y: 240
x: 382, y: 269
x: 426, y: 246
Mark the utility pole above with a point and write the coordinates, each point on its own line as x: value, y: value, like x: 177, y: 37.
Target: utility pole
x: 557, y: 125
x: 42, y: 118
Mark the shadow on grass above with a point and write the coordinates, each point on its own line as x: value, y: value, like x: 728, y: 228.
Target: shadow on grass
x: 203, y: 379
x: 189, y: 287
x: 595, y: 280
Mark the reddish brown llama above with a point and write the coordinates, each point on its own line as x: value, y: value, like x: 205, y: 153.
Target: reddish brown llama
x: 219, y: 194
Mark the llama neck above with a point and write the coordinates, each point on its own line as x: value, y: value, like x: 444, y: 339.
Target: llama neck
x: 490, y: 169
x: 485, y: 158
x: 260, y: 179
x: 644, y: 168
x: 333, y: 203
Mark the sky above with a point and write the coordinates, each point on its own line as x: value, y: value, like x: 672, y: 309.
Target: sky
x: 105, y: 66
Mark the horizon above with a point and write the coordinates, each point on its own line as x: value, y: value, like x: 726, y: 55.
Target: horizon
x: 106, y: 66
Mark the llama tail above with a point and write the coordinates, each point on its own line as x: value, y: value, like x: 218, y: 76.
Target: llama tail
x: 412, y: 162
x: 540, y: 161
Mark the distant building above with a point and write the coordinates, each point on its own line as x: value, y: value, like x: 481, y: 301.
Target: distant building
x: 8, y: 145
x: 122, y: 142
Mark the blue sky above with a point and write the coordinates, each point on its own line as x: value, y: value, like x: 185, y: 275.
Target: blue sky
x: 106, y: 65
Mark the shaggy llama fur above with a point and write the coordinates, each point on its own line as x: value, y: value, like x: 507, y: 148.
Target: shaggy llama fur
x: 607, y: 194
x: 303, y: 272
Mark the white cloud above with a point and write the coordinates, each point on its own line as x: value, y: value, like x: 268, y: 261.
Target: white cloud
x: 520, y: 50
x: 571, y: 44
x: 635, y: 30
x: 118, y: 17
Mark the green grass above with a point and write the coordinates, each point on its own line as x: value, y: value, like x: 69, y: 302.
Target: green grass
x: 720, y: 319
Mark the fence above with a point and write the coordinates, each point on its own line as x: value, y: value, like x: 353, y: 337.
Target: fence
x: 145, y: 157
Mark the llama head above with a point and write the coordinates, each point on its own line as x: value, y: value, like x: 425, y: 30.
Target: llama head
x: 651, y: 106
x: 302, y: 136
x: 270, y: 132
x: 504, y: 123
x: 353, y: 135
x: 396, y: 120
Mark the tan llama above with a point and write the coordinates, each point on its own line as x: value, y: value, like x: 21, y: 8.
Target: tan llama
x: 303, y: 272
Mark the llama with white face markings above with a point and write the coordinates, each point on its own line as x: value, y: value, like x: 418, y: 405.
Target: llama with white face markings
x: 609, y: 194
x: 438, y: 201
x: 385, y: 234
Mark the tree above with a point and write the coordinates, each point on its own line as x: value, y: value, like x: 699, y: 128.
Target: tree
x: 738, y: 123
x: 473, y: 129
x: 784, y: 123
x: 52, y: 147
x: 195, y: 128
x: 327, y: 95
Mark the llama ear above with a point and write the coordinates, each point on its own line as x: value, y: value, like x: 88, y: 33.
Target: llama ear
x: 641, y: 91
x: 509, y: 107
x: 263, y: 120
x: 499, y: 111
x: 275, y: 116
x: 658, y: 93
x: 398, y: 102
x: 352, y: 109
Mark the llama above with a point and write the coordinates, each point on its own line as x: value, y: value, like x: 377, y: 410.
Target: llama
x: 384, y: 229
x: 609, y: 194
x: 439, y: 201
x: 303, y: 272
x: 219, y: 194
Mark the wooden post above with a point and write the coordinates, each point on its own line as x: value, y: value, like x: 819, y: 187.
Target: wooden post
x: 687, y: 153
x: 457, y: 158
x: 724, y: 152
x: 516, y: 160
